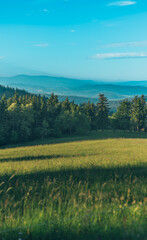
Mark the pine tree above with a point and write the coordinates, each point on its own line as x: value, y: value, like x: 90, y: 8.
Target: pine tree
x: 52, y: 101
x: 90, y: 112
x: 4, y: 126
x: 123, y: 115
x: 53, y: 109
x: 43, y: 108
x: 102, y: 112
x: 139, y: 113
x: 66, y: 105
x: 16, y: 98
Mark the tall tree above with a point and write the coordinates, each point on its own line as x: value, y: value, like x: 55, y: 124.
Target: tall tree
x: 43, y: 108
x: 139, y: 113
x: 90, y: 112
x: 16, y: 98
x: 4, y: 126
x: 102, y: 112
x: 53, y: 110
x: 123, y: 115
x: 66, y: 105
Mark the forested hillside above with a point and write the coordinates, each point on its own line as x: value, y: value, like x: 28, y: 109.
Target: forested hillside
x: 30, y: 117
x: 9, y: 92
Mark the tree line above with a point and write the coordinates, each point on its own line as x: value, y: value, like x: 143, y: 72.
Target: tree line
x: 29, y: 117
x: 9, y: 91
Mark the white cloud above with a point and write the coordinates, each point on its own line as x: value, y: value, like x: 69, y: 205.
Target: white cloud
x: 119, y: 55
x: 122, y: 3
x: 74, y: 44
x: 72, y: 30
x: 45, y: 10
x: 41, y: 45
x: 127, y: 44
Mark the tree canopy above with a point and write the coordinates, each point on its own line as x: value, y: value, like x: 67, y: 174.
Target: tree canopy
x: 27, y: 117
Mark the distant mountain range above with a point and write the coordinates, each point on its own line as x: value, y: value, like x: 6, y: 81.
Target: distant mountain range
x: 9, y: 92
x: 134, y: 83
x: 74, y: 87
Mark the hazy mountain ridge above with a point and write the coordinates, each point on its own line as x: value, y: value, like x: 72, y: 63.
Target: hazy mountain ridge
x: 76, y: 87
x: 113, y: 91
x: 9, y: 93
x: 133, y: 83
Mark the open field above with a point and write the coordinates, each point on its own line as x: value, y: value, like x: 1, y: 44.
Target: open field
x: 91, y: 187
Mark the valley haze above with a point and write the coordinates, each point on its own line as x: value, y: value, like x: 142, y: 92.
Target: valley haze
x: 75, y: 87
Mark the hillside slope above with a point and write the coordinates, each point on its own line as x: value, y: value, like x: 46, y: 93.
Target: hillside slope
x: 75, y: 189
x: 9, y: 92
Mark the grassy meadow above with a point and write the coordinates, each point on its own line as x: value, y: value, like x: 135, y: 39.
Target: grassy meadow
x: 91, y: 187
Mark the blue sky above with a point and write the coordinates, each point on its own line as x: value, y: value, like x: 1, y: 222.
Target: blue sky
x: 86, y: 39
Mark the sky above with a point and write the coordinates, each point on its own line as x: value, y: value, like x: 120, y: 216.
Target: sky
x: 84, y: 39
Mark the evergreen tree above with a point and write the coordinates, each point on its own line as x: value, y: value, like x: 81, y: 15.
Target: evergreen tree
x: 90, y: 112
x: 52, y: 101
x: 32, y: 116
x: 16, y: 98
x: 139, y: 113
x: 4, y: 126
x: 123, y: 115
x: 53, y: 110
x: 102, y: 112
x: 66, y: 105
x: 27, y: 122
x: 36, y: 105
x: 43, y: 108
x: 14, y: 121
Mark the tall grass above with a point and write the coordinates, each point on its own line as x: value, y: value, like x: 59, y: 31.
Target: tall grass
x: 83, y: 189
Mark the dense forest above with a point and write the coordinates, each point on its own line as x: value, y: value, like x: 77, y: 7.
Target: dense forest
x: 9, y: 92
x: 27, y: 117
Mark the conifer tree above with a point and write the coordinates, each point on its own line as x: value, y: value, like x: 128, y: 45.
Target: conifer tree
x: 90, y: 112
x: 139, y: 112
x: 66, y: 105
x: 123, y: 115
x: 102, y: 112
x: 16, y: 97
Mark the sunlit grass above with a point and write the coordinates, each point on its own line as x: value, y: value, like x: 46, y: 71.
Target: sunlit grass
x: 83, y: 189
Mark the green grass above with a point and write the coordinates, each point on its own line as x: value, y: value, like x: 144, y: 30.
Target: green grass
x: 91, y: 187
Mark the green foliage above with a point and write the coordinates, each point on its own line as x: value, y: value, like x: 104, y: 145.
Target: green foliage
x: 9, y: 92
x: 66, y: 105
x: 90, y: 111
x: 123, y: 115
x: 31, y: 117
x: 68, y: 123
x: 27, y: 121
x: 44, y: 129
x: 102, y: 112
x: 139, y: 113
x: 131, y: 115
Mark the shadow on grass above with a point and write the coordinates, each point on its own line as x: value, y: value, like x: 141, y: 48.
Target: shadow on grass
x: 41, y: 157
x: 96, y: 135
x: 91, y: 233
x: 91, y: 175
x: 85, y: 231
x: 32, y: 158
